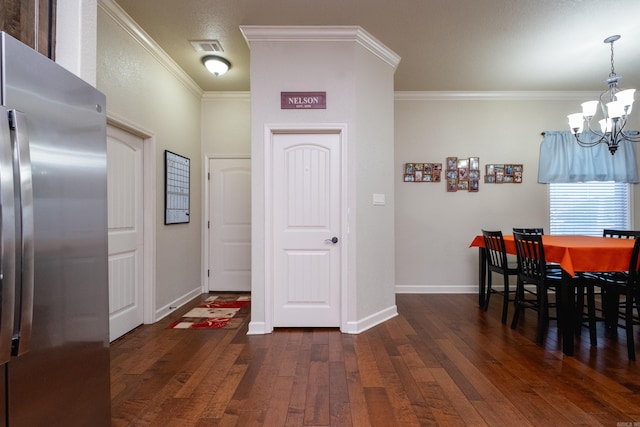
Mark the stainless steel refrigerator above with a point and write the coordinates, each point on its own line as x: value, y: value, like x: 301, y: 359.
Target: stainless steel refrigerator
x: 54, y: 321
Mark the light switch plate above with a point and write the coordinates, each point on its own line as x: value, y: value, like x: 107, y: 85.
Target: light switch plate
x: 378, y: 200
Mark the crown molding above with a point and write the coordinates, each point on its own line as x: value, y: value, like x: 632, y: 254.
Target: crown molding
x: 120, y: 17
x: 447, y: 96
x: 222, y: 95
x: 320, y: 33
x: 496, y: 96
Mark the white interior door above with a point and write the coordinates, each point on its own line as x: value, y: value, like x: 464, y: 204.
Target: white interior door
x: 125, y: 201
x: 306, y: 217
x: 230, y: 225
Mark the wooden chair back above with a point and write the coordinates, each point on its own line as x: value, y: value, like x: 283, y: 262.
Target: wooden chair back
x: 535, y: 230
x: 530, y: 256
x: 621, y: 234
x: 495, y: 250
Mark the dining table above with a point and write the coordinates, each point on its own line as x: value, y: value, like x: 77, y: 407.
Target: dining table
x: 575, y: 254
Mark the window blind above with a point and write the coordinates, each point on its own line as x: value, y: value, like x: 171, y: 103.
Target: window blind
x: 589, y: 207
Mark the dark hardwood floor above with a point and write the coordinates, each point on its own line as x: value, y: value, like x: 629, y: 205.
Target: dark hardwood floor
x: 442, y: 361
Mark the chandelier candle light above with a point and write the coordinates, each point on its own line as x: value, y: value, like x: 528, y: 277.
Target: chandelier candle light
x: 615, y: 105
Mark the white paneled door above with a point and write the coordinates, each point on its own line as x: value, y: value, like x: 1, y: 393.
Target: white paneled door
x: 125, y: 200
x: 230, y: 225
x: 306, y: 229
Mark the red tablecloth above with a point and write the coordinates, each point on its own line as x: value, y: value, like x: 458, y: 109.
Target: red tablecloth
x: 579, y: 253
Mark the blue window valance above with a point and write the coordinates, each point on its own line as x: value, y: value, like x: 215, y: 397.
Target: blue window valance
x: 562, y: 160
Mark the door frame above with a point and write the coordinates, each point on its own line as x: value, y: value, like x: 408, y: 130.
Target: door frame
x: 148, y: 211
x: 206, y: 250
x: 346, y: 291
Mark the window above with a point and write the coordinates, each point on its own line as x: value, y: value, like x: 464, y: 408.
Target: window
x: 589, y: 207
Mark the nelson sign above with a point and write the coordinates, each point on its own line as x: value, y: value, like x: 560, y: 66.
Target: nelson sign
x: 303, y: 100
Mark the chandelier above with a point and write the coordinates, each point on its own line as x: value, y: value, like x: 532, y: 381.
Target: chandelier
x: 615, y: 105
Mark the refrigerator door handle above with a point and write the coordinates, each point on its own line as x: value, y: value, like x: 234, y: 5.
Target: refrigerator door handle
x: 7, y: 239
x: 22, y: 174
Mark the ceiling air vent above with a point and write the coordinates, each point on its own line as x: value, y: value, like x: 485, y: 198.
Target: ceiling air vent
x: 208, y: 46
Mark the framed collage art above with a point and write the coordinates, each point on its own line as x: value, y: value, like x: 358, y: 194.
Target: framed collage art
x: 422, y: 172
x: 463, y: 174
x: 503, y: 173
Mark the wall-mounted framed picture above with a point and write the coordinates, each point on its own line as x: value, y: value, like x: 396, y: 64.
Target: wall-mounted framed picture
x: 177, y: 175
x: 452, y: 163
x: 463, y: 174
x: 422, y: 172
x: 474, y: 163
x: 510, y: 173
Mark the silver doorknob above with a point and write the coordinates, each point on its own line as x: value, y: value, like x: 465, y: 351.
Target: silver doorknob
x: 334, y: 239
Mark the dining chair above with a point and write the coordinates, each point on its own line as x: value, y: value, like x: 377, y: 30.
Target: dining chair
x: 610, y: 301
x: 625, y: 285
x: 620, y: 234
x: 532, y: 270
x: 534, y: 230
x: 551, y: 266
x: 497, y: 262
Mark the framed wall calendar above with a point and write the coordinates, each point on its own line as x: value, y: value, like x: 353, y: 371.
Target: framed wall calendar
x: 177, y: 174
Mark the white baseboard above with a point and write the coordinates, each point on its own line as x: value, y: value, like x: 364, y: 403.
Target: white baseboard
x: 177, y: 303
x: 257, y: 328
x: 372, y: 320
x: 426, y: 289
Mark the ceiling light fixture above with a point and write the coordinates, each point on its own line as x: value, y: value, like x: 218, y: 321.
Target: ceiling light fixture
x: 615, y: 105
x: 216, y: 65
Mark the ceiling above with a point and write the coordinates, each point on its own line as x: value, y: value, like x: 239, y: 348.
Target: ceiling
x: 445, y: 45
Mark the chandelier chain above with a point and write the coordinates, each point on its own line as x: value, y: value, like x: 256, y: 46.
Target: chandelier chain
x: 613, y: 73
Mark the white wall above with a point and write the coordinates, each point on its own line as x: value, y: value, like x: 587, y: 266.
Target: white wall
x: 373, y: 168
x: 149, y: 94
x: 433, y: 227
x: 365, y: 107
x: 226, y: 123
x: 76, y: 37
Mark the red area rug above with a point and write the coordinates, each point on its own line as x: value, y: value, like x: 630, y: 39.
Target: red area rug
x: 216, y: 312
